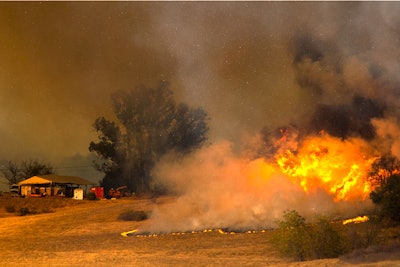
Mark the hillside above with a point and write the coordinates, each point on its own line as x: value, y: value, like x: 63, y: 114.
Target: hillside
x: 88, y: 232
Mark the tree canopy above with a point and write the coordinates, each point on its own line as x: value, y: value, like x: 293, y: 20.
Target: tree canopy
x: 385, y: 179
x: 14, y: 172
x: 149, y: 124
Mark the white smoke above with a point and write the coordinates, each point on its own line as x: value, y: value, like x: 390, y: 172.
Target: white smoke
x: 217, y: 189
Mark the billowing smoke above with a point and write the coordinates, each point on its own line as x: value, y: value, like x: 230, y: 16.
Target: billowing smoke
x: 347, y: 75
x: 343, y: 106
x: 217, y: 188
x: 214, y: 193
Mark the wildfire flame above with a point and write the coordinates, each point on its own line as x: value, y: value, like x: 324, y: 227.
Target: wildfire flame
x: 358, y: 219
x: 340, y: 167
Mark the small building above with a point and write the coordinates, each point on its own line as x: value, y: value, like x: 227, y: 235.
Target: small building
x: 52, y: 185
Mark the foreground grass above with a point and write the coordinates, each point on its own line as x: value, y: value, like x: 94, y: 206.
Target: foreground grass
x: 30, y: 206
x: 86, y: 233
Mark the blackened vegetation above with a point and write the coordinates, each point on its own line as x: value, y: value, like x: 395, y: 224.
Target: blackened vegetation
x: 149, y: 125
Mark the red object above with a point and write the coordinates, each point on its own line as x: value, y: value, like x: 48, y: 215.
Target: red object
x: 98, y: 191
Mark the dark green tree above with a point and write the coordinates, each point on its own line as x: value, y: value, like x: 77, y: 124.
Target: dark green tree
x: 149, y: 124
x: 387, y: 196
x: 385, y: 180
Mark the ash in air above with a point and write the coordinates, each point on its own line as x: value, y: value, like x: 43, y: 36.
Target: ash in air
x: 316, y: 162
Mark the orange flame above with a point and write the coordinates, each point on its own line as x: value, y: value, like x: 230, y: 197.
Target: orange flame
x: 358, y: 219
x: 340, y: 167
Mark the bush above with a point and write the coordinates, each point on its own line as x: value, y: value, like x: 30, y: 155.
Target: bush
x: 91, y: 196
x: 46, y: 210
x: 387, y: 197
x: 296, y: 239
x: 10, y: 209
x: 131, y: 215
x: 27, y: 211
x: 326, y: 241
x: 291, y: 238
x: 363, y: 235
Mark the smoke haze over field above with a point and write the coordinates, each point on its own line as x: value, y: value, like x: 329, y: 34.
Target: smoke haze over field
x: 328, y: 66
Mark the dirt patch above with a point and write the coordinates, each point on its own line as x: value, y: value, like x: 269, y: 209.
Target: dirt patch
x: 90, y: 233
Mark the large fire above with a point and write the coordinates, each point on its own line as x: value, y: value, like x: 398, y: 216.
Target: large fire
x: 220, y: 189
x: 340, y: 167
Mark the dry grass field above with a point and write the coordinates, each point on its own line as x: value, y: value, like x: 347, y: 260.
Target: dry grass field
x: 88, y: 233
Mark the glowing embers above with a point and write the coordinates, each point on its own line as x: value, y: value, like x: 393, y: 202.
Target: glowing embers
x: 339, y: 167
x: 138, y: 233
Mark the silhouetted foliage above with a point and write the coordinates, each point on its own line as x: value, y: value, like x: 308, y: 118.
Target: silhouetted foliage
x: 382, y: 168
x: 14, y: 172
x: 149, y: 125
x: 91, y: 196
x: 33, y: 167
x: 385, y: 180
x: 387, y: 196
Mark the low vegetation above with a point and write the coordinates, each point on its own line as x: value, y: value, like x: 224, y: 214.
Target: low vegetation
x: 30, y: 206
x: 130, y: 215
x: 301, y: 241
x: 324, y: 238
x: 91, y: 196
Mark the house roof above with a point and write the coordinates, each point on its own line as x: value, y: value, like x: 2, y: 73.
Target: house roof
x: 52, y: 178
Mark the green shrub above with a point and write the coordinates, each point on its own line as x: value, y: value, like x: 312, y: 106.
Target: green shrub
x: 292, y: 236
x: 326, y: 241
x: 131, y: 215
x: 300, y: 241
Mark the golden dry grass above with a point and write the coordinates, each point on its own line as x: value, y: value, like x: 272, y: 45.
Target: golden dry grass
x: 87, y: 233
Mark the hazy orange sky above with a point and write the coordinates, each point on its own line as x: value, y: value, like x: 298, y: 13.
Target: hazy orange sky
x: 249, y: 64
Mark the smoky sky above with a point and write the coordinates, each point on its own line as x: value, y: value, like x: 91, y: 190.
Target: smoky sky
x: 325, y: 66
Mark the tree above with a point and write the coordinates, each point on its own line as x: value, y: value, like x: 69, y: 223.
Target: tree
x: 383, y: 168
x: 387, y: 195
x: 33, y: 167
x: 14, y: 172
x: 149, y: 124
x: 385, y: 179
